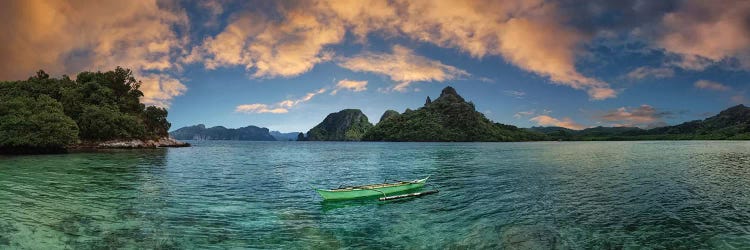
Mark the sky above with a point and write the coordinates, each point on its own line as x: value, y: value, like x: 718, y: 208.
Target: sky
x: 285, y: 65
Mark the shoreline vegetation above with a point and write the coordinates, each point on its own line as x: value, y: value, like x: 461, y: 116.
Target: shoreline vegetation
x: 101, y: 110
x: 450, y: 118
x: 97, y: 110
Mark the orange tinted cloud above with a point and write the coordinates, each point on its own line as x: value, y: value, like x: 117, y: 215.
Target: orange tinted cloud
x: 646, y: 72
x: 643, y: 116
x: 355, y: 86
x: 259, y: 108
x: 528, y: 34
x: 402, y: 66
x: 66, y: 37
x: 281, y: 107
x: 704, y: 32
x: 545, y: 120
x: 711, y: 85
x: 271, y: 48
x: 294, y: 102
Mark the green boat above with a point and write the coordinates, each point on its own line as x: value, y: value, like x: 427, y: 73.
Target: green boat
x: 382, y: 190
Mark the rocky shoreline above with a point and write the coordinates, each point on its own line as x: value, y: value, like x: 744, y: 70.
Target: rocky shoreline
x: 164, y: 142
x: 85, y: 146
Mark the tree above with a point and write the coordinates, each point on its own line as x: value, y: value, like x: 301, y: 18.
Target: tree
x: 155, y: 119
x: 106, y: 123
x: 34, y: 122
x: 43, y: 112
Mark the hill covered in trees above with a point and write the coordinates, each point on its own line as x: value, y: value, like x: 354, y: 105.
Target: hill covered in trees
x: 345, y: 125
x: 730, y: 124
x: 200, y: 132
x: 45, y: 114
x: 448, y: 118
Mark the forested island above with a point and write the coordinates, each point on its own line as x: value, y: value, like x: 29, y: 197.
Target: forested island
x: 96, y: 110
x: 451, y: 118
x: 730, y: 124
x: 200, y: 132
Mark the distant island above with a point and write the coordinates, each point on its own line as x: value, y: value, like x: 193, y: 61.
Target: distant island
x: 345, y: 125
x: 730, y: 124
x: 249, y: 133
x: 97, y: 110
x: 447, y: 118
x: 103, y: 110
x: 450, y: 118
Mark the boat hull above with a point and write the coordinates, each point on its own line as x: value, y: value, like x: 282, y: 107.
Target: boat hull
x: 374, y: 192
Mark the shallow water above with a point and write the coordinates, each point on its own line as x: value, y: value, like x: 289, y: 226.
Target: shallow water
x: 566, y: 195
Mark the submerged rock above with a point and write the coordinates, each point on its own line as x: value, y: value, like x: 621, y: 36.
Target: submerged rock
x: 529, y: 237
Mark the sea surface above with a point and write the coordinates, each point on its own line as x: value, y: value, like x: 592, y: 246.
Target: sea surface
x: 230, y: 194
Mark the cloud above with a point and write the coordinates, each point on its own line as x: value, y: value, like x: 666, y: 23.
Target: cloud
x: 545, y: 120
x: 528, y: 34
x: 521, y: 114
x: 702, y: 33
x: 531, y: 35
x: 711, y: 85
x: 648, y: 72
x: 272, y: 47
x: 294, y: 102
x: 160, y: 90
x: 694, y: 34
x: 486, y: 79
x: 739, y: 99
x: 259, y: 108
x: 643, y: 116
x: 515, y: 93
x: 66, y: 37
x: 402, y: 66
x: 356, y: 86
x: 281, y: 107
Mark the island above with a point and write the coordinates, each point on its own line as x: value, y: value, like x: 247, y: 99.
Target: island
x: 447, y: 118
x: 730, y: 124
x: 96, y: 110
x: 103, y: 110
x: 450, y: 118
x: 200, y: 132
x: 345, y: 125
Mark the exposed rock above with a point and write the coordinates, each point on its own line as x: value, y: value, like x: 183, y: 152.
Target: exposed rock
x: 345, y: 125
x: 388, y: 114
x: 447, y: 118
x: 162, y: 142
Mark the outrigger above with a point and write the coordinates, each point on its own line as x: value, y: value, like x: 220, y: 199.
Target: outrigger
x: 373, y: 190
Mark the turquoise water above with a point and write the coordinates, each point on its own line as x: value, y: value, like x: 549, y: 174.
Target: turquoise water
x: 566, y: 195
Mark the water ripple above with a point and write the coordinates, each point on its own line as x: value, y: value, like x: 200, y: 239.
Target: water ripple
x: 571, y: 195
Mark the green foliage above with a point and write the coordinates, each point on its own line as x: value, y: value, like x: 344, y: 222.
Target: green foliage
x: 730, y: 124
x: 34, y: 122
x: 106, y: 122
x: 447, y: 118
x: 101, y: 105
x: 345, y: 125
x: 200, y: 132
x: 389, y: 113
x: 155, y: 119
